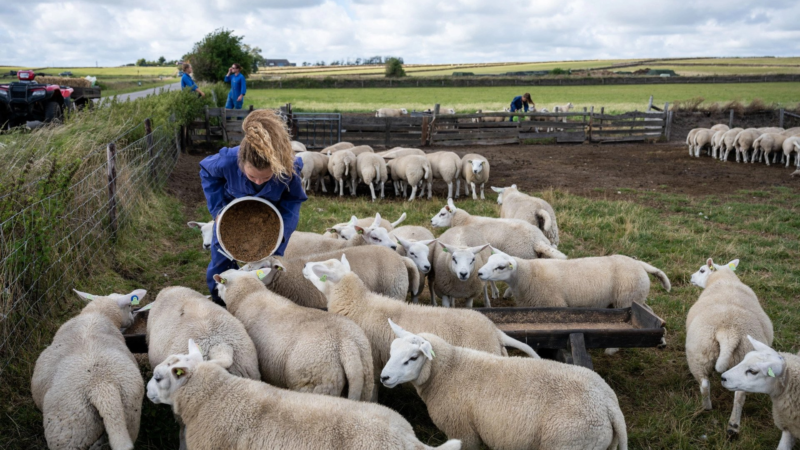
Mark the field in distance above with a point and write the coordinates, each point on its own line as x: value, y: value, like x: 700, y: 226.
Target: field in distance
x: 112, y: 80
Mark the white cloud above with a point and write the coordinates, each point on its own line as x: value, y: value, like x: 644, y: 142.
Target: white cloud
x: 114, y: 32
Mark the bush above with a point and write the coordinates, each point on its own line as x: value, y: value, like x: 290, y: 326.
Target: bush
x: 212, y: 57
x: 394, y: 68
x: 559, y: 71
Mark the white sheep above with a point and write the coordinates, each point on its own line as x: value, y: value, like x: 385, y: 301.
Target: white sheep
x: 411, y: 170
x: 534, y: 210
x: 771, y: 130
x: 744, y: 142
x: 397, y: 152
x: 446, y: 166
x: 347, y: 230
x: 792, y: 145
x: 371, y: 168
x: 415, y: 243
x: 690, y: 139
x: 460, y: 251
x: 305, y: 243
x: 475, y: 170
x: 341, y: 165
x: 490, y: 118
x: 716, y: 326
x: 302, y: 349
x: 703, y: 140
x: 222, y: 411
x: 727, y: 142
x: 87, y: 382
x: 315, y: 165
x: 348, y: 296
x: 207, y: 231
x: 359, y: 149
x: 791, y: 131
x: 391, y: 112
x: 298, y: 147
x: 769, y: 143
x: 515, y: 237
x: 558, y: 406
x: 446, y: 110
x: 337, y: 147
x: 765, y: 371
x: 180, y: 313
x: 716, y: 143
x: 720, y: 127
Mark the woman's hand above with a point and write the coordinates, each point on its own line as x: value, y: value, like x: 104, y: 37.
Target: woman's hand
x: 240, y: 98
x: 202, y: 94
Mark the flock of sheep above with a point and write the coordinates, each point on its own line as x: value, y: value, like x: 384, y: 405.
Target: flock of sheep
x: 750, y: 144
x: 275, y: 370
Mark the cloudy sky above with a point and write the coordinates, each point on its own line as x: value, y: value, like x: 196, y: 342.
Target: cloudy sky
x: 113, y: 32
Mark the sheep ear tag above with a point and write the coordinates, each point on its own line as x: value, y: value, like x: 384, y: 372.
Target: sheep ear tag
x: 323, y: 278
x: 770, y: 372
x: 444, y: 249
x: 510, y: 266
x: 733, y: 269
x: 134, y: 300
x: 260, y: 274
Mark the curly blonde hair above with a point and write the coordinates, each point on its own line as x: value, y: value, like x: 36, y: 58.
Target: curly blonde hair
x: 267, y: 144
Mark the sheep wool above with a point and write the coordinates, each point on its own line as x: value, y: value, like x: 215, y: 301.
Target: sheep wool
x: 534, y: 210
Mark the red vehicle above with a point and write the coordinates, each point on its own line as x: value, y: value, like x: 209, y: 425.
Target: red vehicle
x: 26, y: 100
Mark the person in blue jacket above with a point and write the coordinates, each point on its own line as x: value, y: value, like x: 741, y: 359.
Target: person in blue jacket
x: 238, y: 87
x: 264, y: 166
x: 187, y: 81
x: 521, y: 102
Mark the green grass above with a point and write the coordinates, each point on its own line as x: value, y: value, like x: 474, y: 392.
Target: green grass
x: 470, y: 99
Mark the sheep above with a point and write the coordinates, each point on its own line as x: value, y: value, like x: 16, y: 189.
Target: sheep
x: 342, y: 164
x: 87, y: 381
x: 357, y: 150
x: 298, y: 147
x: 558, y: 406
x: 727, y: 142
x: 382, y: 270
x: 770, y: 130
x: 411, y: 170
x: 314, y: 165
x: 690, y: 139
x: 720, y: 127
x: 765, y: 371
x: 336, y: 147
x: 716, y: 326
x: 702, y: 140
x: 490, y: 118
x: 397, y: 152
x: 515, y: 237
x: 790, y: 145
x: 391, y: 112
x: 716, y: 143
x: 372, y: 168
x: 744, y: 142
x: 517, y: 205
x: 347, y: 230
x: 769, y: 143
x: 475, y: 170
x: 207, y: 230
x: 446, y: 166
x: 459, y: 251
x: 304, y: 243
x: 415, y: 244
x: 791, y: 131
x: 180, y: 313
x: 348, y: 296
x: 328, y: 353
x: 446, y: 110
x: 223, y: 411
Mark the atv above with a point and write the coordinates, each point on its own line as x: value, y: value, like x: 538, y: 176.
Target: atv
x: 26, y: 100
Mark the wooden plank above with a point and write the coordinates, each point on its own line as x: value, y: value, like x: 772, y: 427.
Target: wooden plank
x: 527, y: 126
x: 624, y: 139
x: 628, y: 131
x: 488, y: 125
x: 571, y: 138
x: 473, y: 136
x: 628, y: 123
x: 556, y: 134
x: 630, y: 115
x: 580, y: 357
x: 456, y: 117
x: 643, y: 317
x: 480, y: 142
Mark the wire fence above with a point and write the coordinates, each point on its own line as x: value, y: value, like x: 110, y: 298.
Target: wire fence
x: 48, y: 243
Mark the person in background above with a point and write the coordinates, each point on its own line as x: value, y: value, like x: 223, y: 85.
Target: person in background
x: 264, y: 166
x: 187, y: 81
x: 521, y: 102
x: 238, y: 87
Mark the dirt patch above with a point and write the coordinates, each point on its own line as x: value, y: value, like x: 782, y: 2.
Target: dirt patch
x: 184, y: 183
x: 249, y: 230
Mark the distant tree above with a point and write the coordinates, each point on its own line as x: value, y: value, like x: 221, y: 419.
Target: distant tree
x: 212, y: 56
x: 255, y: 52
x: 358, y: 61
x: 141, y: 62
x: 161, y: 60
x: 394, y: 68
x: 559, y: 71
x: 305, y: 64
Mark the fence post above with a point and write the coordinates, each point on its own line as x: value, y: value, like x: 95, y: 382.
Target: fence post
x: 668, y: 126
x: 591, y: 120
x: 780, y: 123
x: 208, y: 127
x: 148, y: 128
x: 111, y: 156
x: 600, y: 119
x: 424, y: 140
x: 388, y: 132
x: 650, y: 104
x: 730, y: 122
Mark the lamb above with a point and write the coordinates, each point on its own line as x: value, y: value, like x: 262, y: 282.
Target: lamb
x: 347, y: 230
x: 391, y: 112
x: 744, y: 142
x: 690, y: 139
x: 223, y: 411
x: 342, y: 164
x: 383, y: 271
x: 415, y: 243
x: 559, y: 406
x: 716, y: 143
x: 727, y: 142
x: 304, y: 243
x: 446, y: 166
x: 490, y: 118
x: 792, y: 145
x: 460, y: 251
x: 87, y: 381
x: 411, y: 170
x: 515, y: 237
x: 769, y: 143
x: 328, y: 353
x: 372, y: 168
x: 298, y: 147
x: 180, y: 313
x: 336, y: 147
x: 446, y: 110
x: 357, y: 150
x: 517, y: 205
x: 791, y: 131
x: 702, y: 140
x: 349, y: 297
x: 716, y: 326
x: 765, y: 371
x: 314, y: 165
x: 207, y: 230
x: 475, y: 170
x: 398, y: 152
x: 720, y: 127
x: 770, y: 130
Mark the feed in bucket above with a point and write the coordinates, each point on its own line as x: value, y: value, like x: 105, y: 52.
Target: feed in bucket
x: 249, y: 229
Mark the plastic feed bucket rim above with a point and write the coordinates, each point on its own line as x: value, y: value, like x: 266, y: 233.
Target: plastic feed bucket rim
x: 242, y: 199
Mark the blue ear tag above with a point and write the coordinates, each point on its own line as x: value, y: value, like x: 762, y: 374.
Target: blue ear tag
x: 260, y: 274
x: 323, y: 278
x: 135, y: 300
x: 770, y: 372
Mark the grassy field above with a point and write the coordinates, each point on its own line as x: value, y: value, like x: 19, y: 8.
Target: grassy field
x: 613, y: 98
x: 719, y: 70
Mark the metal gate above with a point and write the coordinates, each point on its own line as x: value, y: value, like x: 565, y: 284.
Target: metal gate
x: 318, y: 130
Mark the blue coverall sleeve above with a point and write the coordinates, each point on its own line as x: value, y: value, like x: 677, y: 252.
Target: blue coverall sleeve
x: 227, y: 78
x: 213, y: 181
x: 289, y: 206
x: 244, y: 87
x: 186, y: 80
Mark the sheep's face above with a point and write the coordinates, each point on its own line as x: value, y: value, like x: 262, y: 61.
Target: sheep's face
x: 758, y: 372
x: 125, y: 302
x: 444, y: 217
x: 501, y: 191
x: 268, y: 267
x: 700, y: 278
x: 499, y: 267
x: 403, y: 111
x: 461, y: 260
x: 418, y: 252
x: 344, y: 231
x: 379, y: 236
x: 226, y: 280
x: 207, y: 230
x: 173, y: 373
x: 408, y: 356
x: 477, y: 165
x: 322, y: 274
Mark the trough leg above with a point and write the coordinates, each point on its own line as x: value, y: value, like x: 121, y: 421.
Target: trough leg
x: 580, y: 357
x: 736, y: 414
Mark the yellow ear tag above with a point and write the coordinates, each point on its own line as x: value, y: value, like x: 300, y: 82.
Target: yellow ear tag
x: 260, y: 274
x: 179, y: 372
x: 222, y: 281
x: 360, y: 232
x: 135, y: 300
x: 733, y: 268
x: 510, y: 266
x: 770, y: 372
x: 433, y: 354
x: 323, y: 278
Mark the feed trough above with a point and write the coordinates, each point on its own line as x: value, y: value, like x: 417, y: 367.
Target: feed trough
x: 249, y: 229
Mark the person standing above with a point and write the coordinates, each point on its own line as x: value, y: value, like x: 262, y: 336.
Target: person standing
x: 264, y: 166
x: 520, y: 102
x: 187, y: 81
x: 238, y: 87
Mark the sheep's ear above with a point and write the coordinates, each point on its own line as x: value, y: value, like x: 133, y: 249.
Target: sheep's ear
x: 403, y: 242
x: 353, y: 220
x: 733, y: 264
x: 498, y: 190
x: 277, y: 265
x: 427, y: 349
x: 759, y: 346
x: 377, y: 222
x: 194, y: 350
x: 359, y: 230
x: 84, y: 295
x: 324, y: 273
x: 451, y: 204
x: 133, y: 299
x: 710, y: 263
x: 345, y: 262
x: 398, y: 330
x: 180, y: 371
x: 196, y: 225
x: 444, y: 247
x: 262, y: 273
x: 478, y: 249
x: 514, y: 186
x: 218, y: 278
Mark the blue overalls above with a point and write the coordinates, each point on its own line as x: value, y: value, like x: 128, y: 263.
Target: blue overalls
x: 223, y: 181
x: 516, y: 105
x: 238, y: 87
x: 187, y: 81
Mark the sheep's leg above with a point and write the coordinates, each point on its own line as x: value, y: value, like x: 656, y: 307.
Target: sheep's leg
x: 430, y: 189
x: 341, y: 187
x: 353, y: 187
x: 466, y: 187
x: 486, y: 300
x: 382, y: 184
x: 736, y: 414
x: 403, y: 184
x: 787, y: 441
x: 421, y: 188
x: 446, y: 301
x: 322, y: 182
x: 767, y: 158
x: 508, y: 293
x: 372, y: 191
x: 495, y: 291
x: 413, y: 193
x: 705, y: 392
x: 474, y: 197
x: 396, y: 185
x: 449, y: 189
x: 458, y: 186
x: 468, y: 304
x: 482, y: 197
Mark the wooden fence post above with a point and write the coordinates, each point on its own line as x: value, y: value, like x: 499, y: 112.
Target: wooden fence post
x: 600, y: 120
x: 730, y: 122
x: 111, y: 156
x: 388, y: 132
x: 148, y: 128
x: 668, y: 126
x: 208, y: 126
x: 591, y: 120
x: 650, y: 104
x: 780, y: 120
x: 424, y: 140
